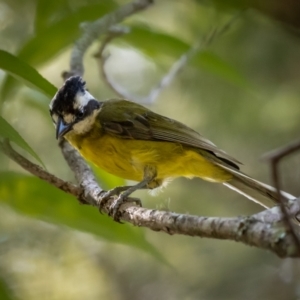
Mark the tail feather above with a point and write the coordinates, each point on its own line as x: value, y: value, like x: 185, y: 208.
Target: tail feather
x: 254, y: 190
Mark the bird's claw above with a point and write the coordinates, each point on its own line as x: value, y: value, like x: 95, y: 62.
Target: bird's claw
x: 113, y: 211
x: 103, y: 197
x: 116, y: 204
x: 106, y: 195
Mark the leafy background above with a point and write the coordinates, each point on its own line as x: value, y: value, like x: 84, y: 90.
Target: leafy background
x: 241, y: 92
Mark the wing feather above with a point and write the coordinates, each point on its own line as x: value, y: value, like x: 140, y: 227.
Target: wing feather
x: 130, y: 120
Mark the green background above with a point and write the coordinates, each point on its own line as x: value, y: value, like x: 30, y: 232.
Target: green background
x: 242, y: 92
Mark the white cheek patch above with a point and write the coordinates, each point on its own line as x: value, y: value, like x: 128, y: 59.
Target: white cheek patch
x: 82, y: 99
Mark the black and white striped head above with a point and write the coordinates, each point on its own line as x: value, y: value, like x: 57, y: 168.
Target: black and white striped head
x: 73, y: 108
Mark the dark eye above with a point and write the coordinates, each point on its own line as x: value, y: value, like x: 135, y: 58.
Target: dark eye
x: 80, y: 114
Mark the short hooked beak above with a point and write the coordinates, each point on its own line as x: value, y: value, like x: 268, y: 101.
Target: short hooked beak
x: 61, y: 128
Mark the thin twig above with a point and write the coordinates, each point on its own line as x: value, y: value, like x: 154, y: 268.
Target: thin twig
x: 38, y: 171
x: 281, y: 152
x: 173, y: 72
x: 275, y: 157
x: 114, y: 32
x: 94, y: 29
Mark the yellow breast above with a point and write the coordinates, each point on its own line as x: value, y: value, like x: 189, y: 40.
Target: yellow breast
x: 127, y: 158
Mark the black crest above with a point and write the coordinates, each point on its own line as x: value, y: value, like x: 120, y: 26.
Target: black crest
x: 65, y: 97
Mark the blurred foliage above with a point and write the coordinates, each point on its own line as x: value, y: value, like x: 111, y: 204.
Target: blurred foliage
x: 286, y: 12
x: 9, y: 133
x: 54, y: 205
x: 23, y: 72
x: 157, y: 45
x: 5, y: 294
x: 242, y: 92
x: 49, y: 39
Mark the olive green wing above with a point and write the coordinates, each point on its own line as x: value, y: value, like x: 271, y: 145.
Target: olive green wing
x: 130, y: 120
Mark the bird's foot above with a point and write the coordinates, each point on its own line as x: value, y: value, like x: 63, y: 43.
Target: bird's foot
x: 105, y: 196
x: 116, y: 204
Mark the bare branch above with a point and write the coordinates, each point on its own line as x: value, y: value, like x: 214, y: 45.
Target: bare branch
x: 274, y: 158
x: 93, y: 30
x: 83, y: 173
x: 275, y: 214
x: 114, y: 32
x: 175, y: 69
x: 283, y: 151
x: 38, y: 171
x: 261, y: 230
x: 255, y: 231
x: 244, y: 229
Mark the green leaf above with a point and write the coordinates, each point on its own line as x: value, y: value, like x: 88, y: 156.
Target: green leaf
x: 211, y: 62
x: 38, y: 199
x: 5, y: 293
x: 7, y: 131
x: 47, y: 11
x: 25, y: 73
x: 157, y: 45
x: 54, y: 39
x: 154, y: 43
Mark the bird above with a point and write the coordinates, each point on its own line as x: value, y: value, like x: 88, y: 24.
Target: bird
x: 130, y: 141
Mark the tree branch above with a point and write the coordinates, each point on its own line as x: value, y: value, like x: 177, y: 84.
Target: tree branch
x: 37, y: 171
x: 275, y: 214
x: 83, y: 174
x: 241, y: 229
x: 261, y: 230
x: 94, y: 29
x: 173, y: 72
x: 275, y: 157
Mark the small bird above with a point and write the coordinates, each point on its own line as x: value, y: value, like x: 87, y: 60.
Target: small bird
x: 132, y: 142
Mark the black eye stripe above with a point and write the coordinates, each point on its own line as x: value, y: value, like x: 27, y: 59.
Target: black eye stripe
x: 88, y: 109
x: 91, y: 106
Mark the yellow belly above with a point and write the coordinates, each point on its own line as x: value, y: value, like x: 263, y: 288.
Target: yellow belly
x: 127, y: 158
